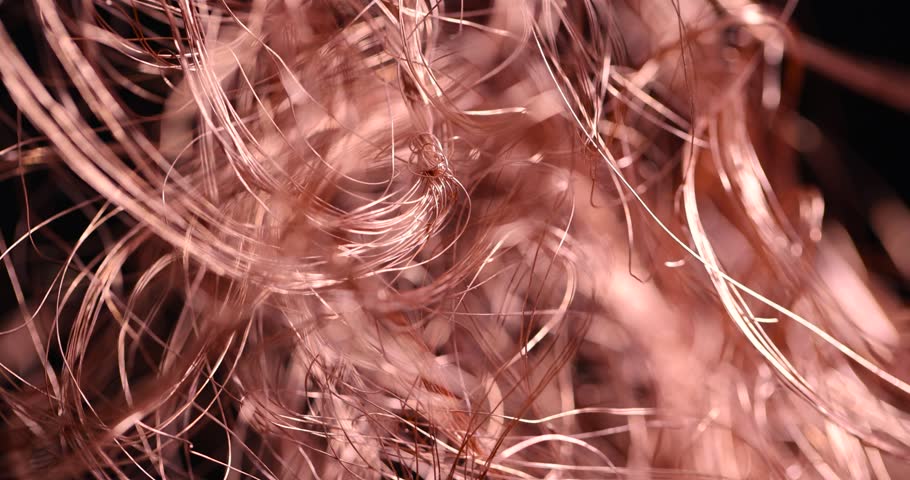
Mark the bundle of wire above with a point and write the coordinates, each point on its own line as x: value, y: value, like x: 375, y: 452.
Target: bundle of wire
x: 532, y: 239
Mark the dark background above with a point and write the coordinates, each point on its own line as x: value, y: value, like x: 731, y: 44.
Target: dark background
x: 870, y: 134
x: 870, y: 138
x: 865, y: 151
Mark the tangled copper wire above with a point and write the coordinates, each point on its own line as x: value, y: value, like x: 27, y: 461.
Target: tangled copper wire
x: 406, y: 239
